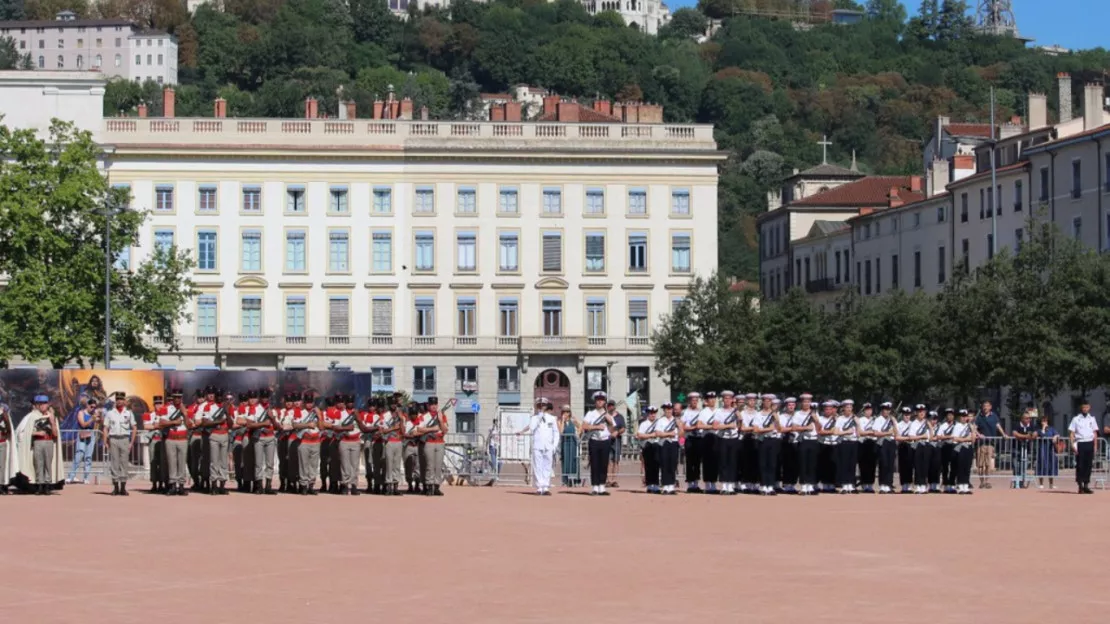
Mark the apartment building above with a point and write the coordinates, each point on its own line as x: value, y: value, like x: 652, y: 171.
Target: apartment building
x: 113, y: 47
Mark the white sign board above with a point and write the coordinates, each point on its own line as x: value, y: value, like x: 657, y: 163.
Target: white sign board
x: 514, y: 447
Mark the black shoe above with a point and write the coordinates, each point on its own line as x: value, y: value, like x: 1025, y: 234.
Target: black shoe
x: 256, y: 488
x: 181, y: 491
x: 123, y: 489
x: 311, y: 491
x: 370, y: 489
x: 439, y: 492
x: 355, y: 491
x: 115, y: 489
x: 269, y: 491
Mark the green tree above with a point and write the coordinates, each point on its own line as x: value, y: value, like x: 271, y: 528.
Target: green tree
x: 10, y: 58
x: 685, y: 23
x: 53, y: 215
x: 886, y: 11
x: 11, y: 10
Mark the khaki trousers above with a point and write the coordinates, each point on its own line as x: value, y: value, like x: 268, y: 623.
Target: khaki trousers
x: 43, y: 453
x: 176, y: 452
x: 348, y: 462
x: 308, y: 458
x: 324, y: 462
x: 217, y: 456
x: 394, y: 463
x: 118, y: 449
x: 433, y: 463
x: 411, y: 458
x: 265, y: 449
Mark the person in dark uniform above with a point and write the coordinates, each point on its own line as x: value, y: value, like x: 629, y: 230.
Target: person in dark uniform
x: 804, y: 427
x: 749, y: 451
x: 882, y: 432
x: 726, y: 424
x: 868, y: 449
x: 766, y: 429
x: 963, y: 435
x: 597, y: 424
x: 788, y: 458
x: 649, y: 449
x: 934, y: 452
x: 905, y: 451
x: 826, y: 452
x: 691, y: 432
x: 945, y: 435
x: 709, y: 443
x: 666, y: 431
x: 918, y: 437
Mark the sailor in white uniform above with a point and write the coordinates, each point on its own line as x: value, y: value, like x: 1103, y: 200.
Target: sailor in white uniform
x: 596, y: 424
x: 544, y: 429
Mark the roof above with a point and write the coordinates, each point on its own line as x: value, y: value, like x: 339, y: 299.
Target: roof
x: 982, y: 131
x: 55, y: 23
x: 1080, y: 136
x: 982, y: 174
x: 149, y: 33
x: 585, y: 115
x: 869, y: 191
x: 927, y: 201
x: 495, y: 96
x: 827, y: 170
x: 821, y: 226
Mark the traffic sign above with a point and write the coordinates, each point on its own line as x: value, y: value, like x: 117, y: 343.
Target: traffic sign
x: 474, y: 407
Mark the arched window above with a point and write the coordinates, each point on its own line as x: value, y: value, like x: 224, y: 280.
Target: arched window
x: 98, y: 61
x: 42, y: 62
x: 61, y: 62
x: 80, y: 61
x: 119, y: 60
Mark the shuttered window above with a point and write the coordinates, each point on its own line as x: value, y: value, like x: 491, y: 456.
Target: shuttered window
x: 637, y: 317
x: 552, y: 251
x: 382, y: 313
x: 339, y: 317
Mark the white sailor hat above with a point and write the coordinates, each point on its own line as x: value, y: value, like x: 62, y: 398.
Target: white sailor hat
x: 963, y: 412
x: 834, y: 403
x: 727, y: 393
x: 933, y: 414
x: 776, y: 401
x: 751, y: 395
x: 806, y: 395
x: 790, y: 400
x: 906, y: 409
x: 667, y: 405
x: 829, y: 404
x: 847, y: 402
x: 710, y: 395
x: 693, y: 395
x: 769, y: 397
x: 542, y: 401
x: 866, y: 406
x: 599, y: 395
x: 886, y: 405
x: 652, y: 408
x: 919, y: 407
x: 565, y: 409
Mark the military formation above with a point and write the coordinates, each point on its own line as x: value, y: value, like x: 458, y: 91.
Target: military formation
x: 303, y: 441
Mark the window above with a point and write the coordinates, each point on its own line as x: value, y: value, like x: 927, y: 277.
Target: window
x: 916, y: 220
x: 339, y: 251
x: 990, y: 246
x: 941, y: 213
x: 941, y: 277
x: 61, y: 43
x: 595, y: 252
x: 1076, y: 179
x: 383, y: 200
x: 552, y: 316
x: 965, y: 253
x: 638, y: 318
x: 893, y: 225
x: 998, y: 200
x: 119, y: 60
x: 61, y: 62
x: 552, y: 201
x: 251, y: 316
x: 1044, y: 184
x: 878, y: 277
x: 837, y: 274
x: 163, y: 240
x: 382, y: 251
x: 847, y: 263
x: 917, y: 269
x: 894, y: 271
x: 252, y: 250
x: 294, y: 316
x: 637, y: 201
x: 508, y: 252
x: 163, y: 198
x: 42, y: 62
x: 676, y: 303
x: 552, y: 251
x: 1017, y: 195
x: 339, y: 318
x: 507, y: 200
x: 206, y: 199
x: 797, y: 272
x: 1077, y: 228
x: 42, y: 44
x: 381, y: 313
x: 295, y: 258
x: 252, y: 199
x: 338, y: 202
x: 1106, y: 173
x: 138, y: 59
x: 466, y: 245
x: 206, y: 315
x: 99, y: 42
x: 982, y: 204
x: 637, y: 252
x: 1019, y: 236
x: 294, y: 199
x: 680, y: 253
x: 149, y: 58
x: 595, y: 201
x: 123, y: 259
x: 206, y: 250
x: 595, y: 317
x: 467, y: 309
x: 98, y: 61
x: 680, y: 201
x: 467, y: 200
x: 425, y: 251
x: 867, y: 232
x: 425, y: 316
x: 508, y: 379
x: 119, y: 42
x: 382, y: 377
x: 807, y: 268
x: 425, y: 200
x: 424, y: 379
x: 80, y: 61
x: 507, y: 317
x: 867, y: 277
x: 990, y: 202
x: 159, y: 59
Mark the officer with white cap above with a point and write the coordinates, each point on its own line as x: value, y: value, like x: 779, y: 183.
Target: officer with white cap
x: 596, y: 425
x: 918, y: 437
x: 544, y: 429
x: 866, y: 449
x: 649, y: 448
x: 691, y: 431
x: 666, y: 432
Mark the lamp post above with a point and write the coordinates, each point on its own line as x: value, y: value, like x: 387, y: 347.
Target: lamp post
x: 107, y: 287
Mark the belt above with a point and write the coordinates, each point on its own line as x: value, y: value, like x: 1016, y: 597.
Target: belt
x: 119, y: 435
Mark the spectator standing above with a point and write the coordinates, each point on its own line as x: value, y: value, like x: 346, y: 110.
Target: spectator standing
x: 1025, y: 433
x: 987, y: 425
x: 1047, y: 465
x: 88, y: 420
x: 493, y: 448
x: 570, y: 429
x: 615, y: 447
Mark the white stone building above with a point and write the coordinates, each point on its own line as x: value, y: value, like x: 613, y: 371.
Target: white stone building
x: 153, y: 56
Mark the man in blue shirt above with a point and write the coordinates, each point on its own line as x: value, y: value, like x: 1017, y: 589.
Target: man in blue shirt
x: 987, y: 425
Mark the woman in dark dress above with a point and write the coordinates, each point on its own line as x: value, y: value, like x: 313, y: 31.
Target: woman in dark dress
x: 1047, y: 466
x: 568, y: 447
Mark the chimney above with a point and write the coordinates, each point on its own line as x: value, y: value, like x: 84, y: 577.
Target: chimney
x: 915, y: 184
x: 651, y: 114
x: 1064, y: 81
x: 424, y: 113
x: 550, y: 104
x: 1092, y: 105
x: 310, y: 108
x: 169, y: 101
x: 406, y: 109
x: 512, y: 111
x: 351, y: 109
x: 379, y: 106
x: 221, y: 108
x: 142, y: 110
x: 496, y: 112
x: 866, y: 211
x: 894, y: 200
x: 1037, y: 111
x: 632, y: 112
x: 567, y: 112
x: 940, y: 176
x: 605, y: 107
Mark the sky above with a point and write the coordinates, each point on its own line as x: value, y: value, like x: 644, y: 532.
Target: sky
x: 1073, y: 24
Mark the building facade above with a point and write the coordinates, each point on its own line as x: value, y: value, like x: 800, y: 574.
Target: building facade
x: 492, y: 261
x: 113, y: 47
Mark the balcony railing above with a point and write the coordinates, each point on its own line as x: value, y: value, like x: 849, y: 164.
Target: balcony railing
x: 242, y: 343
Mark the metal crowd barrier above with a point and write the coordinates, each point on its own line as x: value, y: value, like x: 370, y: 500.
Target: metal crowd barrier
x: 1033, y: 463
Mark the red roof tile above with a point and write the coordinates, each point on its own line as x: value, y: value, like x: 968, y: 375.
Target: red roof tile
x: 585, y: 115
x: 496, y: 96
x: 872, y: 191
x: 969, y: 129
